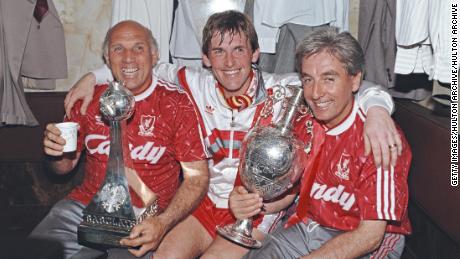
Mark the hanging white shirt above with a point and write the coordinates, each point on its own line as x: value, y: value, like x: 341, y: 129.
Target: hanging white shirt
x: 153, y: 14
x: 411, y: 22
x: 422, y: 35
x: 190, y: 18
x: 306, y: 12
x: 413, y: 54
x: 267, y: 34
x: 270, y: 15
x: 341, y: 15
x: 439, y: 32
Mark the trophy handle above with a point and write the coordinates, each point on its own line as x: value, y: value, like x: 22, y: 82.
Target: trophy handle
x: 240, y: 232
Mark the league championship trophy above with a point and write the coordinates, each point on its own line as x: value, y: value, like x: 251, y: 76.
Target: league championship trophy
x: 269, y: 165
x: 110, y: 215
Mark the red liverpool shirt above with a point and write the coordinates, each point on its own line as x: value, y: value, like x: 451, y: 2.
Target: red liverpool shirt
x: 347, y: 187
x: 162, y: 131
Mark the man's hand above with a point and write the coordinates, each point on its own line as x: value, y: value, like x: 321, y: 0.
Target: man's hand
x: 81, y: 90
x: 53, y: 143
x: 147, y: 235
x: 381, y: 136
x: 243, y: 204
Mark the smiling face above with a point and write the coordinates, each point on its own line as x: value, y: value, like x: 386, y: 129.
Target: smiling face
x: 328, y: 88
x: 130, y: 56
x: 230, y: 60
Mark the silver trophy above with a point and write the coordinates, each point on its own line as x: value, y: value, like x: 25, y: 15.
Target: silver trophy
x: 110, y: 215
x: 270, y: 163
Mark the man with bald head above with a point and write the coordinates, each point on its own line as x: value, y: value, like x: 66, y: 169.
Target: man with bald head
x: 163, y: 138
x: 230, y: 96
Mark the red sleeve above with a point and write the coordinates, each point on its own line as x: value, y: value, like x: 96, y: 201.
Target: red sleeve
x: 384, y: 194
x: 188, y: 143
x: 82, y: 120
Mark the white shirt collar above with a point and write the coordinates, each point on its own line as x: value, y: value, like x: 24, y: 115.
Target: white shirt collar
x: 147, y: 91
x: 345, y: 124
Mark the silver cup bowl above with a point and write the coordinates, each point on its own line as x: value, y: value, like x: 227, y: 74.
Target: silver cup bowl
x: 270, y: 165
x: 117, y: 102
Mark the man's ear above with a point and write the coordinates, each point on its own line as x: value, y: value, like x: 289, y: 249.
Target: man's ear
x: 356, y: 81
x: 106, y: 59
x: 155, y: 57
x: 255, y: 56
x: 206, y: 61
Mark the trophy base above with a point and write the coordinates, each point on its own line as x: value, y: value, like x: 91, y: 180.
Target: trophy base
x: 231, y: 234
x: 101, y: 237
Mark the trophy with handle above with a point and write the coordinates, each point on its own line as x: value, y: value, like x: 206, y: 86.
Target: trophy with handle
x: 270, y: 163
x: 110, y: 214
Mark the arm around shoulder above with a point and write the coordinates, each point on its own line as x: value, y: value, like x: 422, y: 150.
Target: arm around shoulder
x: 380, y: 134
x: 167, y: 72
x: 283, y: 79
x: 83, y: 89
x: 370, y: 95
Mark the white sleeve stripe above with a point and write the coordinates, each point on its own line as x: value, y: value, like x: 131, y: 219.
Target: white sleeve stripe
x: 385, y: 199
x: 385, y: 194
x: 379, y: 193
x: 392, y: 193
x: 361, y: 115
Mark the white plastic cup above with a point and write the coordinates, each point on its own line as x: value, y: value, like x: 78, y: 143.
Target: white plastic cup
x: 69, y: 133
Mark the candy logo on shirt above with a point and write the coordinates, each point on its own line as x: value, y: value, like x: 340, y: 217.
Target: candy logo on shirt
x: 99, y: 144
x: 342, y: 167
x: 333, y: 194
x: 146, y: 125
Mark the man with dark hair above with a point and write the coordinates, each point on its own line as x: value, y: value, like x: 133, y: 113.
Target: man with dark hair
x: 230, y: 96
x: 348, y: 207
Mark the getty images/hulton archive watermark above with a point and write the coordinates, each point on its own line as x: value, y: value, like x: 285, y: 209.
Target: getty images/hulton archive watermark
x: 454, y: 94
